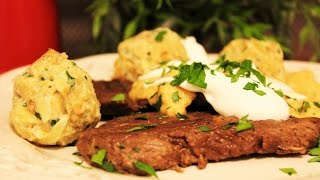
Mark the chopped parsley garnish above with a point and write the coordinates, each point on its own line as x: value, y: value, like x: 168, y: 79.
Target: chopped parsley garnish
x: 181, y: 116
x: 144, y: 117
x: 142, y: 127
x: 212, y: 72
x: 77, y: 153
x: 288, y: 171
x: 99, y: 157
x: 193, y: 74
x: 145, y: 168
x: 136, y: 149
x: 159, y: 37
x: 80, y: 164
x: 316, y: 104
x: 71, y: 81
x: 158, y: 104
x: 54, y: 122
x: 162, y: 116
x: 244, y: 124
x: 229, y: 125
x: 315, y: 152
x: 148, y: 82
x: 119, y: 97
x: 38, y: 115
x: 69, y: 76
x: 175, y: 96
x: 279, y: 92
x: 305, y: 106
x: 204, y: 129
x: 253, y: 87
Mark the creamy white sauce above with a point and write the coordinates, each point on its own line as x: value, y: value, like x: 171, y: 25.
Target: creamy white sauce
x: 229, y: 98
x: 195, y: 51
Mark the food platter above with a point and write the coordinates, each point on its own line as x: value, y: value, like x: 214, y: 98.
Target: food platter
x: 21, y: 159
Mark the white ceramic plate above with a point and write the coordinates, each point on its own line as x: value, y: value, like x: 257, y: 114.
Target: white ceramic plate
x: 20, y: 159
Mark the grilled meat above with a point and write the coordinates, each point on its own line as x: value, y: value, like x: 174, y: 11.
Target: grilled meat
x: 170, y: 143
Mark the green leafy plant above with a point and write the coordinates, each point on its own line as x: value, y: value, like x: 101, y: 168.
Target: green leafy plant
x: 213, y: 22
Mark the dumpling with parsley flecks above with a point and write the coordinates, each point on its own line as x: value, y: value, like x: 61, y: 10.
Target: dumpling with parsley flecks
x: 53, y: 101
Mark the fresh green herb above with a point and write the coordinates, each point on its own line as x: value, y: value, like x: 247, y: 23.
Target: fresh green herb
x: 38, y: 115
x: 144, y: 117
x: 193, y: 74
x: 107, y: 166
x: 99, y: 157
x: 181, y: 116
x: 316, y: 104
x: 122, y: 146
x: 158, y: 104
x: 315, y: 152
x: 142, y: 127
x: 162, y: 116
x: 279, y: 92
x: 80, y: 164
x: 148, y: 82
x: 212, y: 72
x: 54, y: 122
x: 305, y: 106
x: 175, y: 97
x: 163, y: 63
x: 269, y: 84
x: 73, y: 63
x: 136, y: 149
x: 71, y: 81
x: 288, y: 171
x: 244, y: 124
x: 159, y: 37
x: 204, y: 129
x: 260, y: 77
x: 77, y: 153
x: 252, y: 87
x: 145, y: 168
x: 119, y: 97
x: 229, y: 125
x: 314, y: 159
x: 69, y: 76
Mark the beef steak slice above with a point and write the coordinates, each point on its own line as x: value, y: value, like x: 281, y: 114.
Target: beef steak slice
x: 174, y: 143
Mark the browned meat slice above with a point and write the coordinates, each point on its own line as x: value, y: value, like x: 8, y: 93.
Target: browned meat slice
x: 106, y: 90
x: 173, y: 143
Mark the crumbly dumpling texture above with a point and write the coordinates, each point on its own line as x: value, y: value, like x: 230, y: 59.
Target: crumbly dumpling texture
x: 305, y: 83
x: 54, y: 100
x: 265, y: 54
x: 145, y: 51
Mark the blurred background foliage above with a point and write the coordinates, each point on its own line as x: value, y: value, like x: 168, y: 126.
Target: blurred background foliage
x: 213, y: 22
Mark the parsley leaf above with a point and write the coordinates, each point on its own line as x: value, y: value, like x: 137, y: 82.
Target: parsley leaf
x: 80, y: 164
x: 159, y: 37
x: 108, y: 167
x: 204, y: 129
x: 144, y: 117
x: 244, y: 124
x: 305, y: 106
x: 289, y: 171
x: 99, y: 156
x: 314, y: 159
x: 193, y: 74
x: 145, y: 168
x: 181, y: 116
x: 158, y: 104
x: 119, y: 97
x: 252, y: 87
x: 175, y: 96
x: 142, y: 127
x: 316, y: 104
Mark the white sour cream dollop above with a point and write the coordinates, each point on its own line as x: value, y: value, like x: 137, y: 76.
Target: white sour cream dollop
x: 229, y: 98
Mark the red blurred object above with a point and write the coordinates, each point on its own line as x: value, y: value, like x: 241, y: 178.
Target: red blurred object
x: 27, y: 29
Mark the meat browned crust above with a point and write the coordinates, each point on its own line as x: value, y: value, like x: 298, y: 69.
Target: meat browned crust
x: 177, y: 143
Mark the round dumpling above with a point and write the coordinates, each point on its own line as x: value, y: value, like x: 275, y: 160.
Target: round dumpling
x: 146, y: 51
x: 54, y: 100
